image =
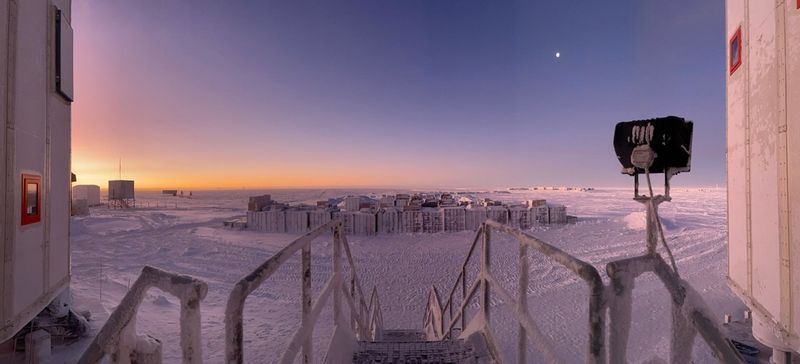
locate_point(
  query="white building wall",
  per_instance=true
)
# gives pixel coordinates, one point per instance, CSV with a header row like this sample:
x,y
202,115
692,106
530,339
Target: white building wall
x,y
763,132
37,134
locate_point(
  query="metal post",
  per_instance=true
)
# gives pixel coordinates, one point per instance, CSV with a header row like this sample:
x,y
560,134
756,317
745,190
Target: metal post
x,y
523,300
353,299
652,225
485,267
337,273
463,297
306,302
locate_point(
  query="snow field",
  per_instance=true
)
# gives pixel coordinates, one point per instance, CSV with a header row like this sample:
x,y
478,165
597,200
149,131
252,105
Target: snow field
x,y
111,246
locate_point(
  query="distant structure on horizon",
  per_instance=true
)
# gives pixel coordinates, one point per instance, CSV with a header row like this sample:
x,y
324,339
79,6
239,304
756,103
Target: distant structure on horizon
x,y
121,194
401,213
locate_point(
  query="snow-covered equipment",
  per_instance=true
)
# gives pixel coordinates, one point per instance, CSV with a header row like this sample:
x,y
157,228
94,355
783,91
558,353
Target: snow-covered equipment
x,y
661,145
36,83
763,166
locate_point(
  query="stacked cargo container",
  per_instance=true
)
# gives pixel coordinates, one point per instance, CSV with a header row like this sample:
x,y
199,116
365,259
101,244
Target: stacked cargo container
x,y
432,220
454,219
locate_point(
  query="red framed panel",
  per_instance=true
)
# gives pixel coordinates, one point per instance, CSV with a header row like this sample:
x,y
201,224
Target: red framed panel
x,y
735,50
31,199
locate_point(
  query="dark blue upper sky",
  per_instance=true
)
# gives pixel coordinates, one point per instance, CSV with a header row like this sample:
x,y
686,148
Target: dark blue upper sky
x,y
399,93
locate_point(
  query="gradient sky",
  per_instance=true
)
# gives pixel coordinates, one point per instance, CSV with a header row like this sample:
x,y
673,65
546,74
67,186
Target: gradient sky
x,y
194,94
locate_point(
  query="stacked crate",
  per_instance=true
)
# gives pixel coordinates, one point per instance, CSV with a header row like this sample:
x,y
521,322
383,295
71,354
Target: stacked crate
x,y
432,220
364,223
275,221
296,221
411,221
389,220
535,203
358,223
558,214
541,214
519,217
497,213
454,219
254,220
318,217
474,217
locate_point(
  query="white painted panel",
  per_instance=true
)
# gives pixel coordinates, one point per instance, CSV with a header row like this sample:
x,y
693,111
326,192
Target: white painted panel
x,y
792,42
763,156
30,116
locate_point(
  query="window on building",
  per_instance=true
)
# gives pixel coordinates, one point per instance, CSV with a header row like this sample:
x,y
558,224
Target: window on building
x,y
736,50
31,199
63,56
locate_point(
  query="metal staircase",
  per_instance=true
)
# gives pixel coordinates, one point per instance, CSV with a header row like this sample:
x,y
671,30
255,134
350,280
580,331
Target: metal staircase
x,y
449,334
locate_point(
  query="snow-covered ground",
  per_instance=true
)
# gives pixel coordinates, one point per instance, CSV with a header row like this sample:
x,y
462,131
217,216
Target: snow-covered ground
x,y
110,247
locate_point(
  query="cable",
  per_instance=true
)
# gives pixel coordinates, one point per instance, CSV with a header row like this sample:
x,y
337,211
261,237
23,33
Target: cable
x,y
660,228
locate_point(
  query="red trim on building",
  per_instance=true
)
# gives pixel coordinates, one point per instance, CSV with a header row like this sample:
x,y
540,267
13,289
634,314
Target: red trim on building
x,y
735,59
30,217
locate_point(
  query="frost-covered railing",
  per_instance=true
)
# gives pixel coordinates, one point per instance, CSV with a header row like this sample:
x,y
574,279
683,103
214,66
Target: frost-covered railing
x,y
690,315
118,336
366,321
689,312
528,331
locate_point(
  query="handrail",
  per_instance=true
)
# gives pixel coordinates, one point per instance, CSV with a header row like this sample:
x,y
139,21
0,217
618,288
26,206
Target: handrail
x,y
433,320
366,321
118,333
484,280
462,277
690,315
689,312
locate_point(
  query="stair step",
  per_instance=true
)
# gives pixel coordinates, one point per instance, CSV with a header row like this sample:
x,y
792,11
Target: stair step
x,y
409,346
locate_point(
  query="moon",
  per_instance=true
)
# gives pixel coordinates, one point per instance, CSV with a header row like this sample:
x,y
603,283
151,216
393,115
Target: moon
x,y
558,54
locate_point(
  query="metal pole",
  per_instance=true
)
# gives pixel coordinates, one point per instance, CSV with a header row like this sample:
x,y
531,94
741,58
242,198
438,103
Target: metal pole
x,y
463,297
652,225
306,302
337,273
485,267
523,300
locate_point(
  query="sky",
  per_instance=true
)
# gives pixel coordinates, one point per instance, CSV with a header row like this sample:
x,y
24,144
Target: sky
x,y
462,94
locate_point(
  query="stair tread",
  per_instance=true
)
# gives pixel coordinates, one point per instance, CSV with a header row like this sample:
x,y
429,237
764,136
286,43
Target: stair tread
x,y
417,351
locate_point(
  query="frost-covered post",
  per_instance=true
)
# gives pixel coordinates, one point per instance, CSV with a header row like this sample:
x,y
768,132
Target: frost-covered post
x,y
463,297
337,273
523,300
485,266
306,303
652,227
